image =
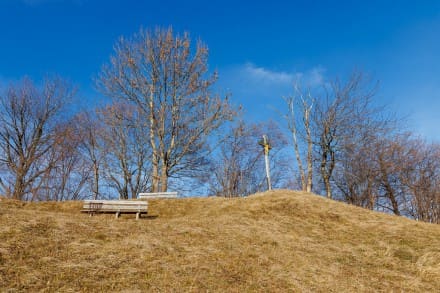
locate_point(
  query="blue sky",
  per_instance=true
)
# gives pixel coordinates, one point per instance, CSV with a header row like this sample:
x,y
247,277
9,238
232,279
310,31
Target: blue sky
x,y
258,47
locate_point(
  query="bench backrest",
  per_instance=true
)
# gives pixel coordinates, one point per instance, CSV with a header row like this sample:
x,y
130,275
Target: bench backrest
x,y
115,205
146,195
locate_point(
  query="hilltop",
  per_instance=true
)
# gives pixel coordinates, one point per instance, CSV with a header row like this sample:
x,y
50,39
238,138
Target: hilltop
x,y
274,241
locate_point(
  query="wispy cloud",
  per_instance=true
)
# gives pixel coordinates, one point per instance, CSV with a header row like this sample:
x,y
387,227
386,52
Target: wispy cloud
x,y
260,90
250,73
261,74
252,80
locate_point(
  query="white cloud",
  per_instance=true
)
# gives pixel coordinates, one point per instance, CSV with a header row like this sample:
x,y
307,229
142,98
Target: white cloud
x,y
251,78
249,73
261,74
260,90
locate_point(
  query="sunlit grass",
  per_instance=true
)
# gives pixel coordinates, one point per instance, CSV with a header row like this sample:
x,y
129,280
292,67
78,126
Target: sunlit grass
x,y
275,241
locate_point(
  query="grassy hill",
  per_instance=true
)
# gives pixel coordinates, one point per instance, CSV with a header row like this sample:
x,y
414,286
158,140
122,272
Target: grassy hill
x,y
274,241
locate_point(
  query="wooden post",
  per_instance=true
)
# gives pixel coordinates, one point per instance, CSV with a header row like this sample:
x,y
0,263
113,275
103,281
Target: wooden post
x,y
266,159
266,146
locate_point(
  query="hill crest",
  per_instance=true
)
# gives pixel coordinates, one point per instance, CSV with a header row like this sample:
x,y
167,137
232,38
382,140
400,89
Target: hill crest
x,y
278,240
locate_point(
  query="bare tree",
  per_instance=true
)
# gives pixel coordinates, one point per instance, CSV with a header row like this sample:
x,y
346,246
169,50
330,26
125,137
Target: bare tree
x,y
67,178
362,154
91,147
420,178
391,159
356,177
167,79
28,118
126,147
298,122
391,172
338,119
238,168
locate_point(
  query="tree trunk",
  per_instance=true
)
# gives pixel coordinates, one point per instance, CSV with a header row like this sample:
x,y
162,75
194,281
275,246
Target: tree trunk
x,y
371,199
266,162
328,187
155,174
293,129
96,181
18,187
306,115
391,196
309,161
155,159
164,178
326,175
298,158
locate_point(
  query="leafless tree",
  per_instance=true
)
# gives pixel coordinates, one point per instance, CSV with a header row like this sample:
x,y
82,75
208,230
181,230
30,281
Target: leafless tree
x,y
127,151
391,172
340,121
28,117
91,147
238,168
356,176
421,180
299,109
393,156
167,79
67,178
362,154
357,170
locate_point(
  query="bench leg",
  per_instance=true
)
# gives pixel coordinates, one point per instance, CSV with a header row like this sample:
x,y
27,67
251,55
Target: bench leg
x,y
138,215
117,215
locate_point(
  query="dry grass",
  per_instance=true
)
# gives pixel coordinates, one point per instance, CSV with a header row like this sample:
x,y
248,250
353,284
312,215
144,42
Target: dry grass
x,y
276,241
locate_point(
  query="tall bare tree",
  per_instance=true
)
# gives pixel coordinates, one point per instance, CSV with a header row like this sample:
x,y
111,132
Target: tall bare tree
x,y
166,77
28,116
338,119
299,109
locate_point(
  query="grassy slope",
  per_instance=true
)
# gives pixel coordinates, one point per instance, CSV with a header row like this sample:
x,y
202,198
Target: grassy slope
x,y
280,240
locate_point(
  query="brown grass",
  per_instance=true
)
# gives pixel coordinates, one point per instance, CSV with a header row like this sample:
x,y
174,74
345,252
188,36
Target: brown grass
x,y
276,241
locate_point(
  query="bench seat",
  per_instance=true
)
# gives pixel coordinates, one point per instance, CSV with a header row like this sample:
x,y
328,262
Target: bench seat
x,y
152,195
115,206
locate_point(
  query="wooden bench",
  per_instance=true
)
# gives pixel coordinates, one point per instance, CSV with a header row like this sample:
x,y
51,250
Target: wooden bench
x,y
147,195
115,206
